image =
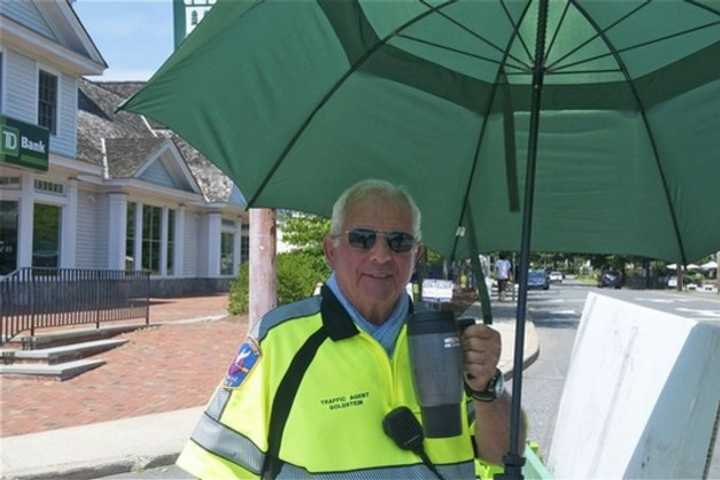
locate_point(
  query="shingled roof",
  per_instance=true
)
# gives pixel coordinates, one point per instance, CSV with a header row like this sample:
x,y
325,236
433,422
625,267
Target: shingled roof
x,y
129,141
125,156
215,185
97,120
126,90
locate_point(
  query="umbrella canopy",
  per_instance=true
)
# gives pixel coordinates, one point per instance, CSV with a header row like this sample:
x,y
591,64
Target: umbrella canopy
x,y
611,109
295,101
711,265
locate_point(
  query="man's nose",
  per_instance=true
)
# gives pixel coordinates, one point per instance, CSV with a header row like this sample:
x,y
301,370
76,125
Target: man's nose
x,y
380,251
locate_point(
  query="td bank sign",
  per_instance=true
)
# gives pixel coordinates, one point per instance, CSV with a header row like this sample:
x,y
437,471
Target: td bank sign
x,y
23,144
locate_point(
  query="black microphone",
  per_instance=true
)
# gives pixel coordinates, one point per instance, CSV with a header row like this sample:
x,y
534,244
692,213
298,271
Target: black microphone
x,y
407,433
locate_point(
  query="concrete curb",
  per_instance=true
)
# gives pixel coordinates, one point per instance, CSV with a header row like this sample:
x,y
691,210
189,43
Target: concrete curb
x,y
150,441
99,449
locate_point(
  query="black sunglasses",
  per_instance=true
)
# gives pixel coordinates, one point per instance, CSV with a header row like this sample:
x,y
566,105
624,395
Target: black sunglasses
x,y
398,242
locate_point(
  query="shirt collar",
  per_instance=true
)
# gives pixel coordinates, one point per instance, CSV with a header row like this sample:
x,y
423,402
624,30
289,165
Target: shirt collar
x,y
349,313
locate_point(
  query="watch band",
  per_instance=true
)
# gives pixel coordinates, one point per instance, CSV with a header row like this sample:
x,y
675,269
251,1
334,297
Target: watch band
x,y
492,390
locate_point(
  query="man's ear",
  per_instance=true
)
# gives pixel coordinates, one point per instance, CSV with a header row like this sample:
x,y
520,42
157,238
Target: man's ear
x,y
329,250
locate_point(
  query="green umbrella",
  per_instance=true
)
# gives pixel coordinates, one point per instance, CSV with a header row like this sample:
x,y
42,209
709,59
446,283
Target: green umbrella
x,y
619,102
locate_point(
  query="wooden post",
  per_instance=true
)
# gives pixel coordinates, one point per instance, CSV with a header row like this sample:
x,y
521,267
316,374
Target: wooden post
x,y
680,277
263,279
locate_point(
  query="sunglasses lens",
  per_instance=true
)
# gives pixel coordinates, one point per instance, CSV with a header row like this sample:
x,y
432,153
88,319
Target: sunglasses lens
x,y
400,242
362,238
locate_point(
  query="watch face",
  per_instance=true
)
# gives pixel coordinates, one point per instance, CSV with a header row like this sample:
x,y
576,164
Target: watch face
x,y
499,383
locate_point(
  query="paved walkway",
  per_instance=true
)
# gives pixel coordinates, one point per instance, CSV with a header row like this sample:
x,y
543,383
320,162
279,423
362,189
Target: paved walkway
x,y
180,364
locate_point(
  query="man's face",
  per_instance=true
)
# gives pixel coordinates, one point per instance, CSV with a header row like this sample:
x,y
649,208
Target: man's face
x,y
373,279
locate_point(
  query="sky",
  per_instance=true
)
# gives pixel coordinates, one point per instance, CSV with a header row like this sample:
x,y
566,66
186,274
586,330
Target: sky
x,y
134,36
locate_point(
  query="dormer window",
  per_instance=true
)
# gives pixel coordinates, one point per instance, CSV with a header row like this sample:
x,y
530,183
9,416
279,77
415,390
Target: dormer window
x,y
47,101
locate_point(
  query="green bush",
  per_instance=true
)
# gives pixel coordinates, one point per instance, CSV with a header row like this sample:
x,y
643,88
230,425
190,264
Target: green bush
x,y
239,288
298,273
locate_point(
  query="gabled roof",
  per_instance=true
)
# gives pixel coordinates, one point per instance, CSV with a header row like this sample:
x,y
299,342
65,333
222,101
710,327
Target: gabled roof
x,y
51,30
97,120
125,156
127,142
215,185
126,89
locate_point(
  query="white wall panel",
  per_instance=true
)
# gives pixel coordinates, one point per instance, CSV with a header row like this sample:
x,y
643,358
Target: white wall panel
x,y
191,244
20,96
65,141
87,245
27,14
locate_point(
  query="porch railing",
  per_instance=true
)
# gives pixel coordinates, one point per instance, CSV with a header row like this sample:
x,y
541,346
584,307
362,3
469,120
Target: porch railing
x,y
33,298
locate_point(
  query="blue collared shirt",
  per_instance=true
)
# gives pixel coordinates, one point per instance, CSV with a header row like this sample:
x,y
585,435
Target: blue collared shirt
x,y
387,332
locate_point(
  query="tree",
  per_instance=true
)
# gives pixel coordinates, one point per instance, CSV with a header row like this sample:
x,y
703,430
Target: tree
x,y
304,231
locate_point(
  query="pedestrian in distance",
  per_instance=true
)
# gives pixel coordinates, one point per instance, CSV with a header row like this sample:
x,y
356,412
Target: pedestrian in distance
x,y
311,385
503,275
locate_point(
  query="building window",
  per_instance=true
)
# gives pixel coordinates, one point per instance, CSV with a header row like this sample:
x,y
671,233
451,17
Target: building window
x,y
130,237
46,236
10,183
245,243
8,236
152,218
170,242
44,186
227,256
47,101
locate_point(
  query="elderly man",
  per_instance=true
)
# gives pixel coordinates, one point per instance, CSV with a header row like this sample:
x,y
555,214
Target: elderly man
x,y
309,389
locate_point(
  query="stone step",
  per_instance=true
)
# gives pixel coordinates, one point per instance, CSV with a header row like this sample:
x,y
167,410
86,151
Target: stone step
x,y
77,335
59,371
66,353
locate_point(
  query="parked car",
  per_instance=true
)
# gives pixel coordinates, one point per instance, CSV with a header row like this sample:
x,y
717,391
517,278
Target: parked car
x,y
556,277
611,278
538,279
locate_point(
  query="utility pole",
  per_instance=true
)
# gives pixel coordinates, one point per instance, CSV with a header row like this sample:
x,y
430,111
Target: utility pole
x,y
263,278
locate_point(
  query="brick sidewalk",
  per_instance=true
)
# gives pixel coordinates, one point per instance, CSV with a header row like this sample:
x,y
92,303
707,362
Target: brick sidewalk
x,y
160,369
169,309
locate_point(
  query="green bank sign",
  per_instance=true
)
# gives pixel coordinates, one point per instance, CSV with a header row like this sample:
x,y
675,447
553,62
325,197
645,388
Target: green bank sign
x,y
23,144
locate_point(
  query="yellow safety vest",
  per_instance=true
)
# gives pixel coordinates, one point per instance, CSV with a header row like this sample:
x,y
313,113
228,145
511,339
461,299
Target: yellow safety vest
x,y
306,397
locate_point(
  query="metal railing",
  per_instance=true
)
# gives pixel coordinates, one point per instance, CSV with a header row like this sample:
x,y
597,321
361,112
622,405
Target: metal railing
x,y
35,297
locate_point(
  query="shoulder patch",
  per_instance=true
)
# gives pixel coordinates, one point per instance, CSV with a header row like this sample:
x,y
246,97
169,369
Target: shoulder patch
x,y
246,358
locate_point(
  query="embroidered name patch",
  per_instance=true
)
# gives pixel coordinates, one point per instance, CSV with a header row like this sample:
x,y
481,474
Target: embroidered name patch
x,y
246,358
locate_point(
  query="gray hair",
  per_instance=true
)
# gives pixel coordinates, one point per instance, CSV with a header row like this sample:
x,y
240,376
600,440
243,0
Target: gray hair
x,y
367,188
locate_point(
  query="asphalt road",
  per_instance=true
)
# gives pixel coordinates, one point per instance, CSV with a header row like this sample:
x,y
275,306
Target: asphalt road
x,y
556,313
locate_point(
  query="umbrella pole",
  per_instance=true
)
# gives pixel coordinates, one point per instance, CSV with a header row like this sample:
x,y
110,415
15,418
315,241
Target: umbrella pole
x,y
480,285
514,459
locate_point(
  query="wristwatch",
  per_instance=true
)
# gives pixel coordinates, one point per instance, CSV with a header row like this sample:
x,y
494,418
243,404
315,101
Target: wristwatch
x,y
493,390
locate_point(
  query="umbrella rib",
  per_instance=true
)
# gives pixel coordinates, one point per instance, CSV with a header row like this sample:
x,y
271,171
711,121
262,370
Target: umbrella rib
x,y
599,31
477,35
353,67
491,100
638,45
461,52
653,144
557,29
704,7
517,28
579,72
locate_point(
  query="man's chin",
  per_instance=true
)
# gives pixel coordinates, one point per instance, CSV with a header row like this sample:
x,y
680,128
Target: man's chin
x,y
381,293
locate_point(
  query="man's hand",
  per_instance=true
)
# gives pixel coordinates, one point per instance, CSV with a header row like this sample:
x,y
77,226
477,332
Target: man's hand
x,y
481,354
482,346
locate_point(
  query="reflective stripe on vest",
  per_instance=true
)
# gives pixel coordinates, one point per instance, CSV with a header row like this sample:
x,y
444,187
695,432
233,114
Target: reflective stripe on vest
x,y
418,471
228,444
